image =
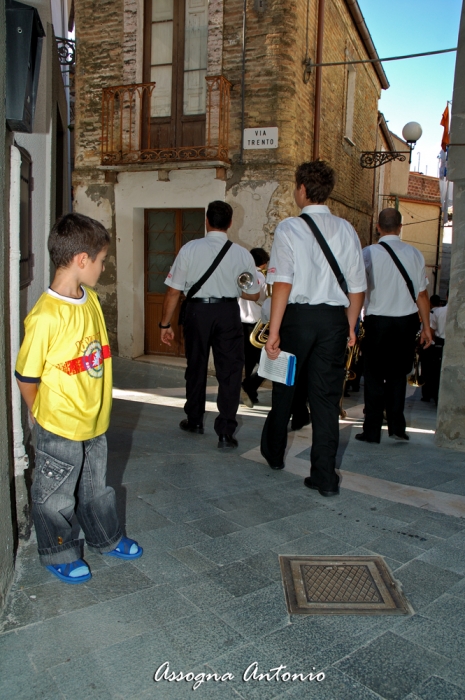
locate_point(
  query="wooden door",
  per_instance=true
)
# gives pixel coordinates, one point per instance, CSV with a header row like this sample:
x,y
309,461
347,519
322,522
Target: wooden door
x,y
166,231
175,58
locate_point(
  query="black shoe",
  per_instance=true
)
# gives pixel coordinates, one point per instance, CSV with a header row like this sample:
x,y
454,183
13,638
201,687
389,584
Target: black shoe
x,y
271,464
363,438
191,427
299,423
400,438
227,441
308,483
252,396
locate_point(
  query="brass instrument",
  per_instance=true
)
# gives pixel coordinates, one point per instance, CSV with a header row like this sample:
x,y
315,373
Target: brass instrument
x,y
259,335
414,379
245,281
353,354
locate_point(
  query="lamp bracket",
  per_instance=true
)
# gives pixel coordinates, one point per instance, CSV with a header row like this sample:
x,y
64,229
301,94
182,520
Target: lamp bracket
x,y
373,159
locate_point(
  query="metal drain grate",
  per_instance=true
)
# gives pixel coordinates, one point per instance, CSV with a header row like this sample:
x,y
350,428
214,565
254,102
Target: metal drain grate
x,y
341,585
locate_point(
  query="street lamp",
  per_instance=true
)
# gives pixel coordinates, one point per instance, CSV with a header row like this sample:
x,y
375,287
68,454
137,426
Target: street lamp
x,y
373,159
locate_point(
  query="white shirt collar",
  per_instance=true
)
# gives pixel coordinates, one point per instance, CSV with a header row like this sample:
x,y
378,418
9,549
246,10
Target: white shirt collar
x,y
70,300
389,237
218,234
316,209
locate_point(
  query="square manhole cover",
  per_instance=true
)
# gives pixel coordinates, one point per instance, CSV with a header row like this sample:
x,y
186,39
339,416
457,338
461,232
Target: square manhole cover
x,y
341,586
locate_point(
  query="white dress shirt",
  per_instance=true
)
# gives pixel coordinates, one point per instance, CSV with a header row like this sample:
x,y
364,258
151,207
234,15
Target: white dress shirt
x,y
438,320
251,310
194,259
296,258
387,293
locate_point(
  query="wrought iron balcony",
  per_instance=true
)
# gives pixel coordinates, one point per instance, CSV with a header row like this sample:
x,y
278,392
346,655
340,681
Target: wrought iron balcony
x,y
127,126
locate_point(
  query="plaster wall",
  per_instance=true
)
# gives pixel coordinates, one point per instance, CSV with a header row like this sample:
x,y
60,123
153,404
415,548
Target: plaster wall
x,y
420,229
399,170
251,206
135,192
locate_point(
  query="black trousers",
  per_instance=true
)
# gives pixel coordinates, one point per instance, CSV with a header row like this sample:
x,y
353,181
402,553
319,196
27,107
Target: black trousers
x,y
431,360
388,349
317,336
219,327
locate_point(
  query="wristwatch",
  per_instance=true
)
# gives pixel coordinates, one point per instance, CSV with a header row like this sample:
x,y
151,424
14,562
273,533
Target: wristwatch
x,y
167,326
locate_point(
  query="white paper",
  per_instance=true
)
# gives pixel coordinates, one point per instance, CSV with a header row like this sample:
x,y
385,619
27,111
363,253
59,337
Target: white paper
x,y
276,370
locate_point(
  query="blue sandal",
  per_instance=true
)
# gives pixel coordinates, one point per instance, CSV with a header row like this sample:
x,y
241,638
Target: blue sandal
x,y
76,572
126,549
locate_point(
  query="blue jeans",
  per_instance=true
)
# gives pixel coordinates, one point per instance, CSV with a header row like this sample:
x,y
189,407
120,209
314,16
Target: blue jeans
x,y
70,478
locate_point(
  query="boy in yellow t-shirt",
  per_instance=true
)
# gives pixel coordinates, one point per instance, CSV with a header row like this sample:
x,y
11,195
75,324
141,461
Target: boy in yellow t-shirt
x,y
64,375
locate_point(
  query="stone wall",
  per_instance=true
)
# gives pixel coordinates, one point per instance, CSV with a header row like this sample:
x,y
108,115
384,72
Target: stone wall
x,y
276,95
259,184
105,49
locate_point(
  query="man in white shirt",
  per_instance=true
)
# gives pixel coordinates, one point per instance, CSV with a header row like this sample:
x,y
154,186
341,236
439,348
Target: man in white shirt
x,y
250,314
391,326
311,317
212,321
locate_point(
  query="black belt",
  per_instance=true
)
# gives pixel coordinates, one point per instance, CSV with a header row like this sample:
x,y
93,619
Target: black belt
x,y
212,300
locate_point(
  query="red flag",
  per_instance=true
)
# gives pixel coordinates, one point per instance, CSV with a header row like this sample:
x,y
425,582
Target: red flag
x,y
445,123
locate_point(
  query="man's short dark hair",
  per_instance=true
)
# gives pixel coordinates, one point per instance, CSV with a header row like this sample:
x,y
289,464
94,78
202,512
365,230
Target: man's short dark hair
x,y
219,215
73,234
389,220
319,179
435,300
260,256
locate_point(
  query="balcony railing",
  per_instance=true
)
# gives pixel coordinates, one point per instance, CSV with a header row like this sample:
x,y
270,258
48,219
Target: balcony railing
x,y
126,126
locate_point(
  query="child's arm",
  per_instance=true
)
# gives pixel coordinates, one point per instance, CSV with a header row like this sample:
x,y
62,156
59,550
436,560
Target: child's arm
x,y
28,392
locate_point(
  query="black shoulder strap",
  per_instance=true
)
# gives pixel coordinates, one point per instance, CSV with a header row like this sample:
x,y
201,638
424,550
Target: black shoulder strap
x,y
401,269
327,252
195,287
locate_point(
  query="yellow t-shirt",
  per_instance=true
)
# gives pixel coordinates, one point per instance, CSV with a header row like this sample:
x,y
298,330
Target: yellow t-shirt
x,y
66,348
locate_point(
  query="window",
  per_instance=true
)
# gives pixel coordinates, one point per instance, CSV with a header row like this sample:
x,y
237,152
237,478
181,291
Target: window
x,y
176,60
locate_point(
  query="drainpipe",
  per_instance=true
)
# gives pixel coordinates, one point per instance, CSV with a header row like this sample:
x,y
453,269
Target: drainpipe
x,y
244,15
318,80
373,201
21,461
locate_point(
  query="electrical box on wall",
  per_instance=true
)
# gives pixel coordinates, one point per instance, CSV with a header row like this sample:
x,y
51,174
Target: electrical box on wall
x,y
24,36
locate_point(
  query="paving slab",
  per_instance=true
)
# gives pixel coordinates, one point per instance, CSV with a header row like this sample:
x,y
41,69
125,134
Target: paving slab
x,y
207,595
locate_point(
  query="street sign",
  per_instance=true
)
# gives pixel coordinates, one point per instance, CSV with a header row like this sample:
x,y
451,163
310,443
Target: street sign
x,y
261,137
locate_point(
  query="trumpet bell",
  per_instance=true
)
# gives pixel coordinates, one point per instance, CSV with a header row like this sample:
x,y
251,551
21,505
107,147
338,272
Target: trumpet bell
x,y
245,281
413,380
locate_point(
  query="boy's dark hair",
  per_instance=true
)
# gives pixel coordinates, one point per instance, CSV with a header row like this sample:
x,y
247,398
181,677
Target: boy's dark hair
x,y
319,179
389,220
260,256
435,300
219,215
73,234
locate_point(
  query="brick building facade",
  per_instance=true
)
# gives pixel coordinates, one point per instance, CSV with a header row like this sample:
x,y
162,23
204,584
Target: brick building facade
x,y
262,83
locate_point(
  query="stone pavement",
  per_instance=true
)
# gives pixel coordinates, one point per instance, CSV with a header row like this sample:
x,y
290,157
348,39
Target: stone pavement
x,y
207,595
